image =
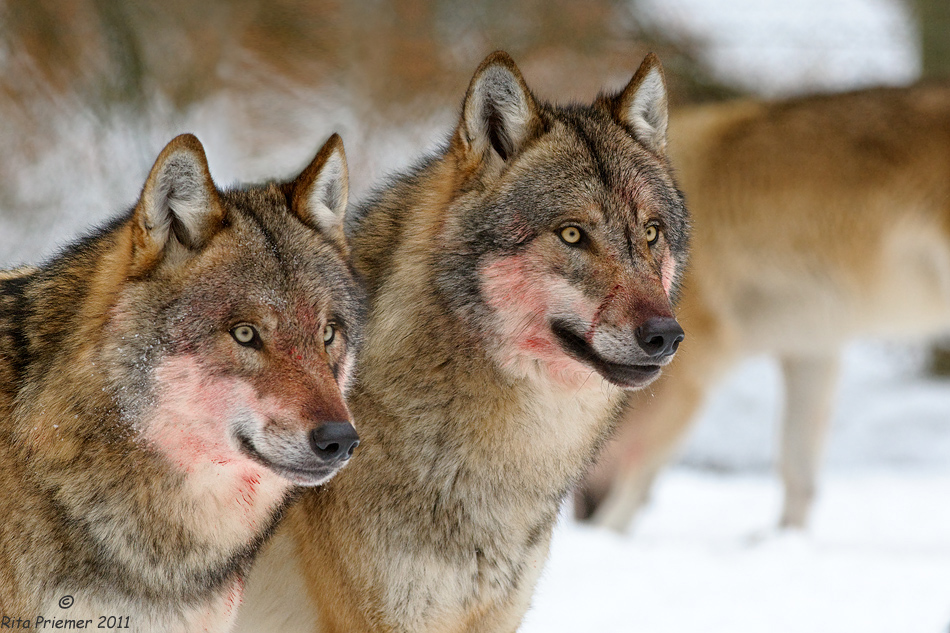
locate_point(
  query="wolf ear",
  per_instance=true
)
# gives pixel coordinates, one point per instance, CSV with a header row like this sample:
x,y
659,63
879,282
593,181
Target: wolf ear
x,y
499,113
319,194
642,106
179,200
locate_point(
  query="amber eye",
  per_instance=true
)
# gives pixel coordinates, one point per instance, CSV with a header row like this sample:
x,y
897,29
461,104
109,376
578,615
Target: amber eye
x,y
246,335
329,333
571,235
652,234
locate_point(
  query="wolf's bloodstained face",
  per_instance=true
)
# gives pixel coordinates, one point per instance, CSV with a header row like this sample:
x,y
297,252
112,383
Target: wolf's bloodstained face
x,y
588,284
570,260
259,354
251,335
256,378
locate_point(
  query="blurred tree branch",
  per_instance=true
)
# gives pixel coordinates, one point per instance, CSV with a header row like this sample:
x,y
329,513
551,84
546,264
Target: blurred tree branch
x,y
112,52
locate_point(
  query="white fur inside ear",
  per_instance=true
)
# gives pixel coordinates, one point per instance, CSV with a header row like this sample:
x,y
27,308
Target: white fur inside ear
x,y
647,112
498,113
327,197
179,199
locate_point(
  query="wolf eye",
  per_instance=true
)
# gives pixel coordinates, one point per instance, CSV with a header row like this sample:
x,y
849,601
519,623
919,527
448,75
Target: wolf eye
x,y
329,333
652,234
246,335
571,235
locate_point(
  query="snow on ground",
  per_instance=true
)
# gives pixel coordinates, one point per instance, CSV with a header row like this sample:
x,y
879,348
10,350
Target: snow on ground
x,y
704,555
702,558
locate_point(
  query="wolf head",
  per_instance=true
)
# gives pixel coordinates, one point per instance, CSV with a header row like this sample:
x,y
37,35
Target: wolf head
x,y
567,238
233,339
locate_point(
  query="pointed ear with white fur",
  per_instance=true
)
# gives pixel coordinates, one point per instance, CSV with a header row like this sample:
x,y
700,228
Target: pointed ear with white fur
x,y
179,202
319,194
499,113
642,106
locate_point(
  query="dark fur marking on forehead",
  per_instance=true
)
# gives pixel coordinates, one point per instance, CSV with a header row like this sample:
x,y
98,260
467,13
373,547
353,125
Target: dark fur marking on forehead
x,y
578,127
304,256
607,143
269,238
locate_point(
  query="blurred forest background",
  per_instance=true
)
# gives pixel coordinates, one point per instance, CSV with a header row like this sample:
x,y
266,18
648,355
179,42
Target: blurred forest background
x,y
91,90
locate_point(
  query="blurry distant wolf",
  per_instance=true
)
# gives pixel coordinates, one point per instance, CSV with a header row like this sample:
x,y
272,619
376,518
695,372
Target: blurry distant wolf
x,y
165,381
519,282
818,220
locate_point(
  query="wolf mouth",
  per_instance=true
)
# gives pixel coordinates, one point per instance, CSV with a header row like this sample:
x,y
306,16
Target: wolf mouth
x,y
627,376
299,476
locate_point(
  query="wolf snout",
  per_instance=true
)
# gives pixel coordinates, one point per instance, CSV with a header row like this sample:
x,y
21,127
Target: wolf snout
x,y
334,441
659,337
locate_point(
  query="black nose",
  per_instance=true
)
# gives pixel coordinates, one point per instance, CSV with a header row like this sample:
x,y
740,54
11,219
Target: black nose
x,y
334,441
660,336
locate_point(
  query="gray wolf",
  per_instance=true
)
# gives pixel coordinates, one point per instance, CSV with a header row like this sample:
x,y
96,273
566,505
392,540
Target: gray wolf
x,y
166,381
818,220
520,281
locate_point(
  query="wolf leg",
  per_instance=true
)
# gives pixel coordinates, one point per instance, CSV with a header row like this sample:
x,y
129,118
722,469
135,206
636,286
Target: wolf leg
x,y
809,390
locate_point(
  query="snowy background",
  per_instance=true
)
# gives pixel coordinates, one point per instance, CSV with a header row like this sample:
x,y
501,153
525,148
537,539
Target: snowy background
x,y
704,556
